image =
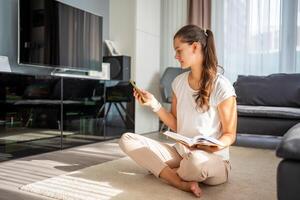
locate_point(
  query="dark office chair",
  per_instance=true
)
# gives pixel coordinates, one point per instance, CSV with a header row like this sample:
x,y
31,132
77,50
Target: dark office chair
x,y
166,85
115,96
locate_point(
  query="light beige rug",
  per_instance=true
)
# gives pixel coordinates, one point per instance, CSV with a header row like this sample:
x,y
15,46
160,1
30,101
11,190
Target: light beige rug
x,y
253,177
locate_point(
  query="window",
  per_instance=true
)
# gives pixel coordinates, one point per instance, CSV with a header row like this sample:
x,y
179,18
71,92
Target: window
x,y
257,37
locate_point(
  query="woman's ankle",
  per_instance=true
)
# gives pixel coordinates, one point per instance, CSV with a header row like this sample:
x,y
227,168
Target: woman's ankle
x,y
186,186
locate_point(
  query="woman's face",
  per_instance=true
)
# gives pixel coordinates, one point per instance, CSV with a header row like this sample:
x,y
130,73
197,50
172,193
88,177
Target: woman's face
x,y
187,54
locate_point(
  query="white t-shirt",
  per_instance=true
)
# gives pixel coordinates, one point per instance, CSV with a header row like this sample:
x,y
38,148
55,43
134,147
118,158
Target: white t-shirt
x,y
191,121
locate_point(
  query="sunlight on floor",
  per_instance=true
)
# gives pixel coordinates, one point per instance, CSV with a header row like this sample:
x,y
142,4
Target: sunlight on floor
x,y
69,187
22,172
127,173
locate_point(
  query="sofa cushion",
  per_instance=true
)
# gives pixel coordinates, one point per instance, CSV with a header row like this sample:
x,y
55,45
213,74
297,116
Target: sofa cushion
x,y
269,111
289,147
264,125
274,90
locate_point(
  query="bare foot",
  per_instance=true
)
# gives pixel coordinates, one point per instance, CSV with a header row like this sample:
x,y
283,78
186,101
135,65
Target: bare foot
x,y
170,176
191,186
195,189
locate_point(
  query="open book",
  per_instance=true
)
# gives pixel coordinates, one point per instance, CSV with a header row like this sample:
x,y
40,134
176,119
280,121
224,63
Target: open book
x,y
199,139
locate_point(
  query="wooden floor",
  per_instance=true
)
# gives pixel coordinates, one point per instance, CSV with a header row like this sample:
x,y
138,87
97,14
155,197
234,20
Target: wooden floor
x,y
16,173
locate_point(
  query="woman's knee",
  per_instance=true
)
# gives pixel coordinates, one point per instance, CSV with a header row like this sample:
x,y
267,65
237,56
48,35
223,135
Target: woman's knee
x,y
217,180
125,139
220,174
211,171
193,168
127,136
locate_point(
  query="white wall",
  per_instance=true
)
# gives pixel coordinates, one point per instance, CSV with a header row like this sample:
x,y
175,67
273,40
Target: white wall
x,y
135,27
122,25
173,17
147,59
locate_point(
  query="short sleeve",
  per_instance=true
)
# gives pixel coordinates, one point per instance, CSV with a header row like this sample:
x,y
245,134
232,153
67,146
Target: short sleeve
x,y
223,90
175,84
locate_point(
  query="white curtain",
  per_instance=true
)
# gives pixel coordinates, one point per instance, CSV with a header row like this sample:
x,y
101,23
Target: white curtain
x,y
257,37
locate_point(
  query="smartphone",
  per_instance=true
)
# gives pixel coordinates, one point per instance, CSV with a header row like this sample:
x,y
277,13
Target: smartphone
x,y
137,89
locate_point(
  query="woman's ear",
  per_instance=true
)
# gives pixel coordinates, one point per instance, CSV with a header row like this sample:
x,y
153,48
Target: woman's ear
x,y
196,47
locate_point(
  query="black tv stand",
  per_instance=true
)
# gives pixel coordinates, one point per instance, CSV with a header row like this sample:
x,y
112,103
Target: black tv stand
x,y
73,73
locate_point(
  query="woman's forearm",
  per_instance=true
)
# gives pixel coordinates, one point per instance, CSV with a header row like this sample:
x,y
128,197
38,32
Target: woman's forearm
x,y
227,139
167,118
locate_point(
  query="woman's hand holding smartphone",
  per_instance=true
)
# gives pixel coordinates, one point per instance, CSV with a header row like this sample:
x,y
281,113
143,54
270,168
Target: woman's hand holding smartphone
x,y
138,94
145,98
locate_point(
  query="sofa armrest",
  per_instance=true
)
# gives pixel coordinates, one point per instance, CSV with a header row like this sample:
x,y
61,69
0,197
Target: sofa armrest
x,y
289,147
288,182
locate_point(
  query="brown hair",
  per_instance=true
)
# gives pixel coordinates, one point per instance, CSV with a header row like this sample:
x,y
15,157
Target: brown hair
x,y
190,34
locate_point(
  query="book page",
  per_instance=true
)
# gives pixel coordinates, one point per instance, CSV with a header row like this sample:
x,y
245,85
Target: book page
x,y
200,139
207,140
179,137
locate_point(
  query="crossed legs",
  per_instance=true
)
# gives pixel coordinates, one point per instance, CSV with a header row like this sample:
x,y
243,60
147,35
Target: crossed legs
x,y
164,162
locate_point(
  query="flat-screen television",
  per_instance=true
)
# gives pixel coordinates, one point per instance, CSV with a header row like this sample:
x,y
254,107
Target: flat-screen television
x,y
54,34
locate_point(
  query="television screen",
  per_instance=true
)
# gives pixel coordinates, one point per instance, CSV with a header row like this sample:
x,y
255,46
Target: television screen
x,y
54,34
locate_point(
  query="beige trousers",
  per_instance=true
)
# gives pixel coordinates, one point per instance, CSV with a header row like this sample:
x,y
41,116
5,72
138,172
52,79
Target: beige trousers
x,y
196,165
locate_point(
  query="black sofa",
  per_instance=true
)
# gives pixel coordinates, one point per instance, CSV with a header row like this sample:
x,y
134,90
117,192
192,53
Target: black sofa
x,y
268,106
288,171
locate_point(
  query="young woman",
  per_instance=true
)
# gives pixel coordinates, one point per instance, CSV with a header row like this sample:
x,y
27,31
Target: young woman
x,y
203,102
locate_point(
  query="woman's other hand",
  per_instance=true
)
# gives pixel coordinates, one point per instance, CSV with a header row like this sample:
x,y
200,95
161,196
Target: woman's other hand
x,y
210,149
